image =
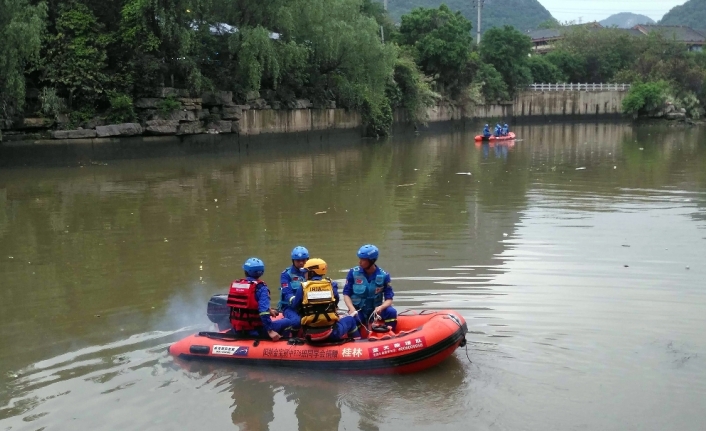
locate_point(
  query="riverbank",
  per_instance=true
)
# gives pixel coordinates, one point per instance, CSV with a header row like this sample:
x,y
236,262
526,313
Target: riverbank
x,y
216,113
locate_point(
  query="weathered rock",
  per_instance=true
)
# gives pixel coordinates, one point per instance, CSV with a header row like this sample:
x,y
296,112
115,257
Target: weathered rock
x,y
165,92
276,105
125,129
162,127
252,95
73,134
36,123
217,98
202,114
147,103
258,104
669,108
5,124
215,110
191,128
675,116
191,100
236,127
93,123
220,126
657,113
682,110
302,104
180,115
231,113
331,104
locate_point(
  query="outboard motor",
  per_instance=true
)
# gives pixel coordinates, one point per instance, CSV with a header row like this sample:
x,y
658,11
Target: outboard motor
x,y
218,311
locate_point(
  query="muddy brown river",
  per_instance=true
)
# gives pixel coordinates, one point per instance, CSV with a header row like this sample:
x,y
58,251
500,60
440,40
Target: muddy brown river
x,y
577,255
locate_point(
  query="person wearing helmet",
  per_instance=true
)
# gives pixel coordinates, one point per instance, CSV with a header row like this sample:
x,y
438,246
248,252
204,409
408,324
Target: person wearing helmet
x,y
498,130
291,281
317,301
249,299
506,130
368,291
486,131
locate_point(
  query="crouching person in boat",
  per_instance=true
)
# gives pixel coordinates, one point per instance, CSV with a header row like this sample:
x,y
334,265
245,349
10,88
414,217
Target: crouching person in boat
x,y
290,282
317,301
368,292
249,299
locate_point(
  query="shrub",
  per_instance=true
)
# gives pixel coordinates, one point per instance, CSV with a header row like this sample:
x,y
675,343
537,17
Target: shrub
x,y
377,116
644,97
170,104
52,105
121,108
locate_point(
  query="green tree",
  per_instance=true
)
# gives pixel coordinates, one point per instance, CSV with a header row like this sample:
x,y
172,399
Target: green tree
x,y
162,39
572,66
507,50
544,70
494,87
603,52
441,40
21,27
75,56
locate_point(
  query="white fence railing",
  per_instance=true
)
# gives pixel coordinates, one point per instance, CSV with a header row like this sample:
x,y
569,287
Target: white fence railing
x,y
578,87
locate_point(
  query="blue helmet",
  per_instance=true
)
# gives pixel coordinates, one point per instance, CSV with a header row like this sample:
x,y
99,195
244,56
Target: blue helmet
x,y
299,253
368,251
505,124
254,267
486,125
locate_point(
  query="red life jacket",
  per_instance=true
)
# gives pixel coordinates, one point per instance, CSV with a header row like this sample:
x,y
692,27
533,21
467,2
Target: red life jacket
x,y
244,313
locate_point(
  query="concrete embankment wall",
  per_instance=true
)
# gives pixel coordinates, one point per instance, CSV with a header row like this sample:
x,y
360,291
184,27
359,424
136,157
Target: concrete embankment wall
x,y
534,104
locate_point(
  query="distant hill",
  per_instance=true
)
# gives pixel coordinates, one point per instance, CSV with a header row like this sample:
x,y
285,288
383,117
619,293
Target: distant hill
x,y
626,20
691,13
522,14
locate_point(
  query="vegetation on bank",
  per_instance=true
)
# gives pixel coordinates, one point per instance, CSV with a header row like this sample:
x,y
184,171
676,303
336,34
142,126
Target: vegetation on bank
x,y
79,59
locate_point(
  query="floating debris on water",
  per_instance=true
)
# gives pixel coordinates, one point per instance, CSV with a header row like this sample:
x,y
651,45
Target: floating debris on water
x,y
215,200
642,149
463,173
626,245
320,212
406,185
581,168
504,234
615,167
625,266
166,240
687,267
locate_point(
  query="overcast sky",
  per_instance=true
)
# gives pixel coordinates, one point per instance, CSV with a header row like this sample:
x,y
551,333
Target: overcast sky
x,y
596,10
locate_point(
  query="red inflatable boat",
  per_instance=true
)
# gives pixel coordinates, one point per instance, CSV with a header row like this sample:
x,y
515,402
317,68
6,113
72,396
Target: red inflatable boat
x,y
422,340
509,137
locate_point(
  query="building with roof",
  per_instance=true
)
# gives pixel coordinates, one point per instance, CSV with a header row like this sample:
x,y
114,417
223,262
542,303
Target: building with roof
x,y
543,40
693,39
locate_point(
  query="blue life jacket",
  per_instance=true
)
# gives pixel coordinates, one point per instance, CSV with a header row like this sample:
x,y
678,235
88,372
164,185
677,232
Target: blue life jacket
x,y
506,130
486,132
296,283
367,295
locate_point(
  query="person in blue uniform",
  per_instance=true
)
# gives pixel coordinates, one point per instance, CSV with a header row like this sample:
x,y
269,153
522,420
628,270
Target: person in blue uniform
x,y
257,303
498,130
347,326
291,281
506,130
368,291
486,131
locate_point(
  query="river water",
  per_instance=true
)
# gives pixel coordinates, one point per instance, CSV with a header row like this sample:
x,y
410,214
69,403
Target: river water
x,y
576,254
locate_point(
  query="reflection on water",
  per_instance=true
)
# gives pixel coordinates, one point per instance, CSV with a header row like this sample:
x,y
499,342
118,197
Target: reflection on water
x,y
575,254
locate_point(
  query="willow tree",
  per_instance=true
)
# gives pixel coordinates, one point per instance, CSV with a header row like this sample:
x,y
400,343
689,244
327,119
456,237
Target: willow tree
x,y
347,59
21,27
